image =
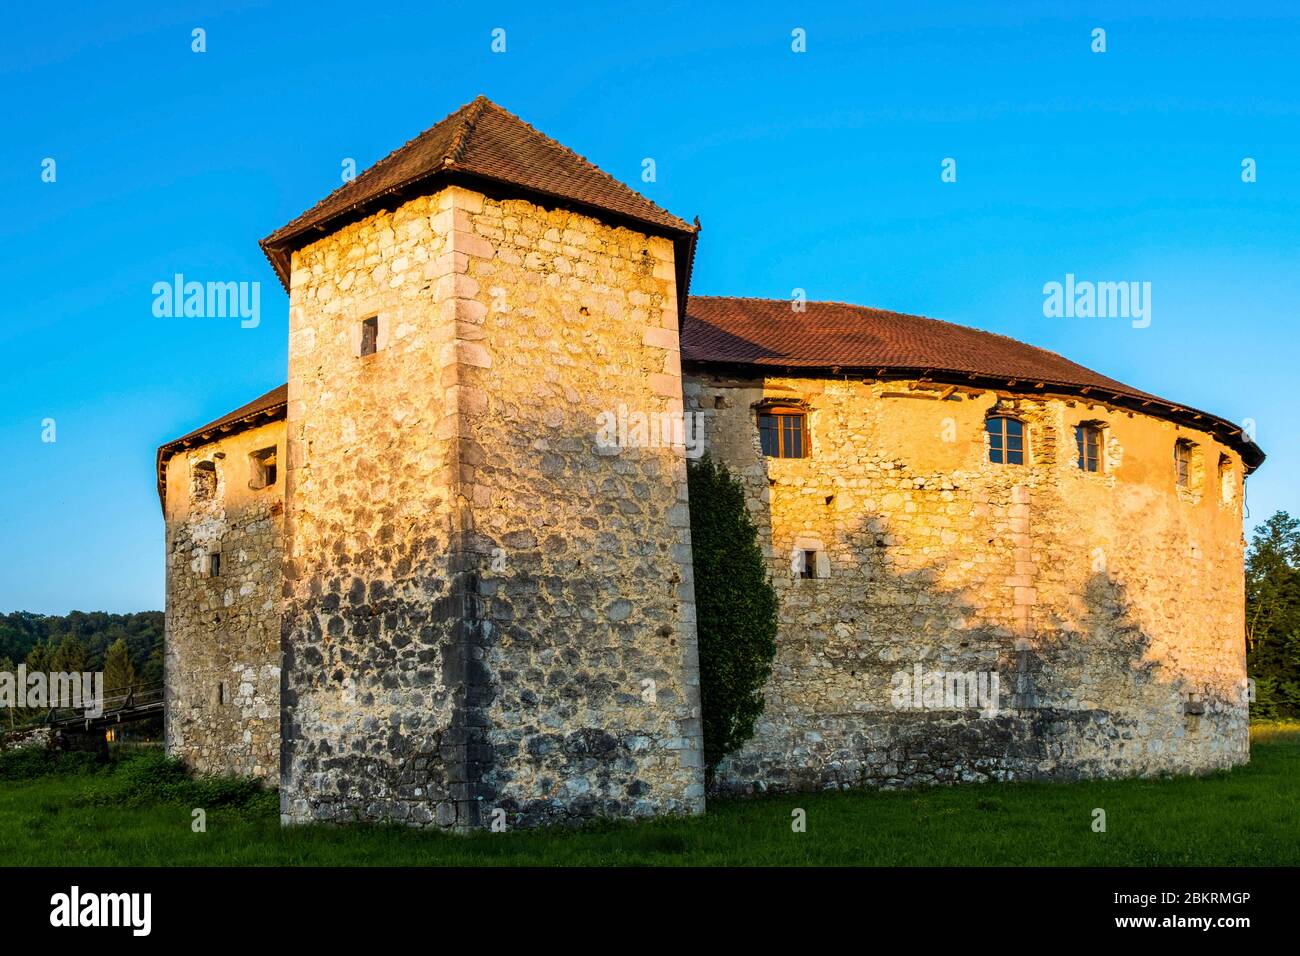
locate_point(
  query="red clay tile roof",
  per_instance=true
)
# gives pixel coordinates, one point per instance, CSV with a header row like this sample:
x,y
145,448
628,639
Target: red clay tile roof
x,y
768,333
259,411
832,334
480,141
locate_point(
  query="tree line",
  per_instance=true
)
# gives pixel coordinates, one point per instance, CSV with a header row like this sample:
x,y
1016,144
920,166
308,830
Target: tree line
x,y
128,648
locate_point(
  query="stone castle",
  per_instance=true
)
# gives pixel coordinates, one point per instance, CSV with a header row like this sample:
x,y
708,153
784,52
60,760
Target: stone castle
x,y
413,585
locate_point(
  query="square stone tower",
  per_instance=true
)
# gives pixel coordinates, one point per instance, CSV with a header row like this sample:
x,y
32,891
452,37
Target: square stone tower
x,y
487,616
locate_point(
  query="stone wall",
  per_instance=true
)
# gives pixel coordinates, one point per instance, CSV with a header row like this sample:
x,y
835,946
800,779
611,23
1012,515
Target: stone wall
x,y
373,716
46,738
473,596
222,655
588,597
1108,605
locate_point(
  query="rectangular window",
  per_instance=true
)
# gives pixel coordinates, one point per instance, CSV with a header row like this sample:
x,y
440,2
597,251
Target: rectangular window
x,y
1006,440
214,565
1227,480
1183,462
370,335
809,569
1087,439
203,481
262,463
783,433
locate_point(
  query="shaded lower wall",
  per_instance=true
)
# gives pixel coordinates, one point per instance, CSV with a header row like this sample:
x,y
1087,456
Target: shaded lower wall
x,y
374,719
1108,606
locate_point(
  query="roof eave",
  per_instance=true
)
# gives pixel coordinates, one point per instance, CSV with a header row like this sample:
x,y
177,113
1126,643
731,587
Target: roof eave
x,y
209,434
684,261
1252,456
279,246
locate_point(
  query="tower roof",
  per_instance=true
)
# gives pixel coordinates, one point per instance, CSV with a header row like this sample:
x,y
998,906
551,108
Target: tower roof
x,y
484,143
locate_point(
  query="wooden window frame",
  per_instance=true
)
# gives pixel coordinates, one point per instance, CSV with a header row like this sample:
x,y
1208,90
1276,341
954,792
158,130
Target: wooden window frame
x,y
1097,460
780,414
1000,447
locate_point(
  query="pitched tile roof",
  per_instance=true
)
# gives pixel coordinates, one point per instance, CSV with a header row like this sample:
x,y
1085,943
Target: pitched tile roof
x,y
768,333
479,141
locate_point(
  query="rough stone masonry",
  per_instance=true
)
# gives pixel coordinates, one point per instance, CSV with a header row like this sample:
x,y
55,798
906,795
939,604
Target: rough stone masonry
x,y
412,585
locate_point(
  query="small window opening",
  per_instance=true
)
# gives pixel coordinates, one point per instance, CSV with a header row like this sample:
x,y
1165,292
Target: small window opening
x,y
214,565
370,335
1088,441
221,693
1227,480
263,466
1006,440
809,569
1183,462
203,480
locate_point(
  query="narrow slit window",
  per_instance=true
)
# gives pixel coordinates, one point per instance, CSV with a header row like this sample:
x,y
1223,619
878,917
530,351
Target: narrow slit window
x,y
1227,480
370,335
1087,439
1006,440
214,565
1183,462
783,432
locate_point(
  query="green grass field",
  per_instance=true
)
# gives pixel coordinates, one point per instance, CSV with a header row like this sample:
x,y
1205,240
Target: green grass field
x,y
138,814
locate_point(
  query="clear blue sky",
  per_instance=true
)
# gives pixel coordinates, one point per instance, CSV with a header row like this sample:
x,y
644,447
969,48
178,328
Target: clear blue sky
x,y
818,170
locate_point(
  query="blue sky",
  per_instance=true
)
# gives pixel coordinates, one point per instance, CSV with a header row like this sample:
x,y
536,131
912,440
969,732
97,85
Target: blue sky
x,y
818,170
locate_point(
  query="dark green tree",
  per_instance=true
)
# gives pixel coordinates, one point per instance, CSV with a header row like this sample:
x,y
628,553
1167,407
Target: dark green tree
x,y
736,610
39,659
119,672
1273,617
7,666
71,656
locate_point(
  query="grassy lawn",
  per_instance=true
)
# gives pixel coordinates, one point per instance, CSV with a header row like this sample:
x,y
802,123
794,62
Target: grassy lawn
x,y
1248,816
